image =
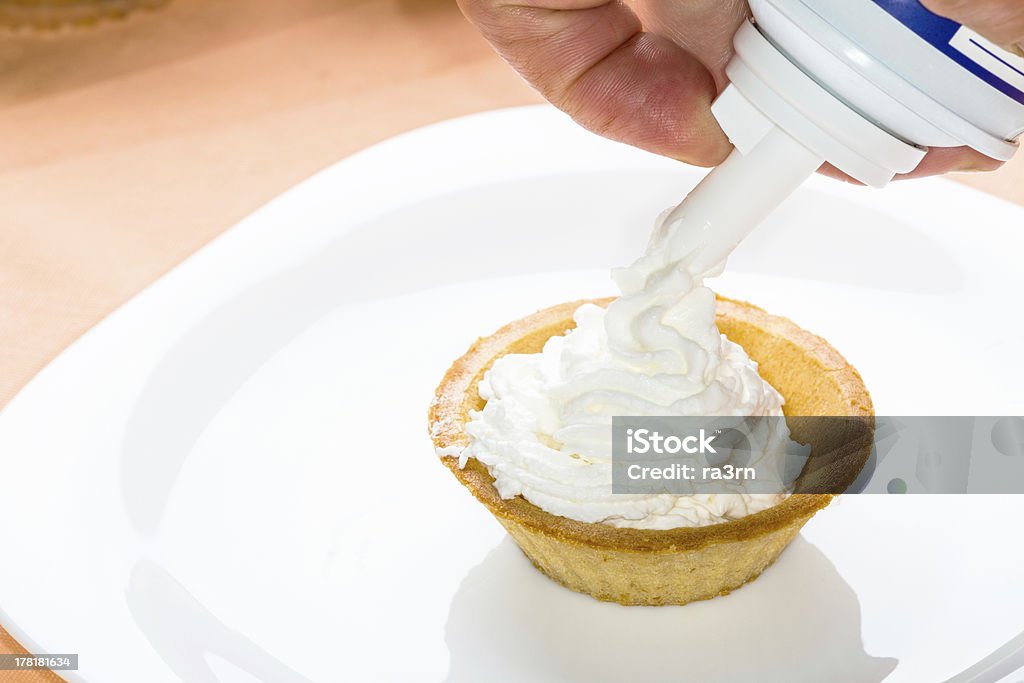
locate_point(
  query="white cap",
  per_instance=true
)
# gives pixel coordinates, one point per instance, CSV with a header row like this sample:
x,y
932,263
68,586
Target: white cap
x,y
768,91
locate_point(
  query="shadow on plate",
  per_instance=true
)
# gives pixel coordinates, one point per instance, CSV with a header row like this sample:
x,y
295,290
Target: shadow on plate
x,y
191,640
800,621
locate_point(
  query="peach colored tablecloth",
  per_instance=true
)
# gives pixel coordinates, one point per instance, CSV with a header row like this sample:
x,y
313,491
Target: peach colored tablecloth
x,y
126,147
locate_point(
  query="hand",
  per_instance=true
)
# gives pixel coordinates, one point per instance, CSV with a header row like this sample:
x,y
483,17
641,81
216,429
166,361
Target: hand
x,y
647,74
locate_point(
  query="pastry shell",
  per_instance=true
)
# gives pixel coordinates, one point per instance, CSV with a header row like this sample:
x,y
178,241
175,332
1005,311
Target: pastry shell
x,y
648,566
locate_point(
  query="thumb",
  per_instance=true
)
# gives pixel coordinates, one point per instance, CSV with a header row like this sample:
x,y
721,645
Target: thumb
x,y
592,59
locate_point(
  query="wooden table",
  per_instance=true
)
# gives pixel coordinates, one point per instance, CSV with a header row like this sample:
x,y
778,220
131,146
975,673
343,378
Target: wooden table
x,y
126,147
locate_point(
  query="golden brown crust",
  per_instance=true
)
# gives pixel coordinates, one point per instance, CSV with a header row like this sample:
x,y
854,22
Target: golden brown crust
x,y
813,377
658,578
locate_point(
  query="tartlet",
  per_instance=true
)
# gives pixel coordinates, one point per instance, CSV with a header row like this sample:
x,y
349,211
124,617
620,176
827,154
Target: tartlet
x,y
648,566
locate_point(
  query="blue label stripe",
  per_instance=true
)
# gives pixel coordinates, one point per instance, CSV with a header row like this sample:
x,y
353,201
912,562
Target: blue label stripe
x,y
939,31
995,56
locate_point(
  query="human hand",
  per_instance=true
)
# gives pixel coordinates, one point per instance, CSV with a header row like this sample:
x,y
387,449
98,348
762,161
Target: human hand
x,y
646,73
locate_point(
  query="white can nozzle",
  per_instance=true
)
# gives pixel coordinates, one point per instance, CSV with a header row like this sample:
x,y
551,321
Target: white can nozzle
x,y
741,191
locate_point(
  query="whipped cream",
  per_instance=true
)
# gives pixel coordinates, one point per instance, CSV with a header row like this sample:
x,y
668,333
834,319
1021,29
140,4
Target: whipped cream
x,y
545,431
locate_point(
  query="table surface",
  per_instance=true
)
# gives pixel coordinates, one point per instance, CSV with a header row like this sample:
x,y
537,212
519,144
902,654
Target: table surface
x,y
127,146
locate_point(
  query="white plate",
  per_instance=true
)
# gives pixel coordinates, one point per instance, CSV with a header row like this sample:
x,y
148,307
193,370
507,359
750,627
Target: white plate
x,y
229,479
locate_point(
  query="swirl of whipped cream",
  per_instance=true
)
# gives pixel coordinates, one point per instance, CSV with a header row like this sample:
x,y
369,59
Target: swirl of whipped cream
x,y
545,433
